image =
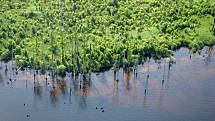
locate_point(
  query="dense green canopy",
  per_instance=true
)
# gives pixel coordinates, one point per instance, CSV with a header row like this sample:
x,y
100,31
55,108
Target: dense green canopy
x,y
83,35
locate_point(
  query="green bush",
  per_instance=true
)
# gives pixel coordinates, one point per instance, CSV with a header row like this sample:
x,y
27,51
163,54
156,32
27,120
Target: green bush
x,y
61,70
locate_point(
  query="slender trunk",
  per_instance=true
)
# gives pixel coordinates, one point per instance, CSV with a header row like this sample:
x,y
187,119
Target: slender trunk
x,y
12,55
45,67
6,69
168,74
90,63
148,69
12,62
73,61
52,58
116,60
34,67
164,71
76,66
62,24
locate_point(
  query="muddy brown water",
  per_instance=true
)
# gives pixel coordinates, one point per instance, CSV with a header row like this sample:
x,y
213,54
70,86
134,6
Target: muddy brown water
x,y
187,93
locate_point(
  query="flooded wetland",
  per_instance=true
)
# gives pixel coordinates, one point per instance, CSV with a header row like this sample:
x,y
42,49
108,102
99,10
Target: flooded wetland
x,y
154,91
107,60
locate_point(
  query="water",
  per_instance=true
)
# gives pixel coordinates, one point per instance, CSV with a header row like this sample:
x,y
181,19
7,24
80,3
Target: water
x,y
187,93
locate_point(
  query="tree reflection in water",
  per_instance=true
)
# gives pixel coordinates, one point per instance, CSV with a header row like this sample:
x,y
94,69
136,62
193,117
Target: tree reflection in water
x,y
161,95
38,90
1,65
1,79
84,92
63,85
115,97
121,88
127,77
58,89
54,94
83,102
208,54
75,88
145,101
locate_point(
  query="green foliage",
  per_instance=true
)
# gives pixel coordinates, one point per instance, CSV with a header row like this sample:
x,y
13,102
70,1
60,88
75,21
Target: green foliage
x,y
57,35
61,69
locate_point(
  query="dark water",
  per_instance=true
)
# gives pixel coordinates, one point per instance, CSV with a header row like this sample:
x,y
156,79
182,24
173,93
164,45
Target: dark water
x,y
187,93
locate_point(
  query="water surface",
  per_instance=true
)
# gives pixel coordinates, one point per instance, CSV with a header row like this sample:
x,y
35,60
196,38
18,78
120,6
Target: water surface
x,y
186,94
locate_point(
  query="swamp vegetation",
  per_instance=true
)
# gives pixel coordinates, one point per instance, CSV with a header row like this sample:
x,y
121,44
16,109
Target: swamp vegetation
x,y
83,36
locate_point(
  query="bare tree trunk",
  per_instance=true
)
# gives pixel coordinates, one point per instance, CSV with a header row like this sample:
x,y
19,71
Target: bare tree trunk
x,y
52,59
90,63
